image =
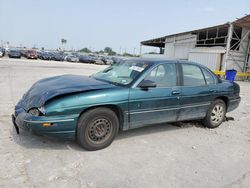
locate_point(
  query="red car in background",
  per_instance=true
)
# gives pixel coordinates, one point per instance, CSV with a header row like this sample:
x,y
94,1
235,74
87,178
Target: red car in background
x,y
31,54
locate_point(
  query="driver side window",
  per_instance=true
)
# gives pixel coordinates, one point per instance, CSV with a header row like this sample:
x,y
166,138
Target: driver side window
x,y
163,75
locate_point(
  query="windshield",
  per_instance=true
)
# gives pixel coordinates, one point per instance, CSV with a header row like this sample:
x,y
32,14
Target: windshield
x,y
14,51
122,73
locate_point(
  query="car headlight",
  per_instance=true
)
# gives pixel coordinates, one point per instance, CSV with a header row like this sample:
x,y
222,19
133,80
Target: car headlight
x,y
37,111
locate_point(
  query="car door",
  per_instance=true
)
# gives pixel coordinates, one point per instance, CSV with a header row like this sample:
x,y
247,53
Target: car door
x,y
197,92
159,104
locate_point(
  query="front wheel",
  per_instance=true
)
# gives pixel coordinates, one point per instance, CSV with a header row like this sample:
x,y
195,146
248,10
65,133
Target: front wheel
x,y
216,114
97,128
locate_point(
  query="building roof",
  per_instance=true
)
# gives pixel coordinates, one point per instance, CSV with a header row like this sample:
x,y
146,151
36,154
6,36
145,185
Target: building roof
x,y
160,42
243,22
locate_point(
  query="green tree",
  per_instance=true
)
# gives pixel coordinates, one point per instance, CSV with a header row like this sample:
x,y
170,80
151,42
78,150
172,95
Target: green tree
x,y
109,51
128,54
85,50
99,52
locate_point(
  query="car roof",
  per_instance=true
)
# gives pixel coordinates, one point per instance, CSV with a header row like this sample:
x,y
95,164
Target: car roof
x,y
163,60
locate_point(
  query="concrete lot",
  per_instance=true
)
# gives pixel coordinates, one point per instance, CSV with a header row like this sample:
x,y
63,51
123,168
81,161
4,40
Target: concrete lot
x,y
156,156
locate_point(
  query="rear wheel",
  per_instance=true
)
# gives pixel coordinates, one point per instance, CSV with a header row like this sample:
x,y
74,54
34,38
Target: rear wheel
x,y
97,128
216,114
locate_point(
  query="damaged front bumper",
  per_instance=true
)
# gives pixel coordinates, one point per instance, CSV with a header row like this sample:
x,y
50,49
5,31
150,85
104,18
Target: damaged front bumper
x,y
55,126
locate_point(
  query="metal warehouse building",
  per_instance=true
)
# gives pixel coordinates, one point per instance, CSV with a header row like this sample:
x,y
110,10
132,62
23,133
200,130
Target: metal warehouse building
x,y
219,47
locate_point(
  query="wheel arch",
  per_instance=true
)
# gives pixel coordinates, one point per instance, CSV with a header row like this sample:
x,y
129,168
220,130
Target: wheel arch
x,y
116,109
224,99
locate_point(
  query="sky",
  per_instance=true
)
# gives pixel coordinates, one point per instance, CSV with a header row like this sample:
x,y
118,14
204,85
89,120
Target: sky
x,y
95,24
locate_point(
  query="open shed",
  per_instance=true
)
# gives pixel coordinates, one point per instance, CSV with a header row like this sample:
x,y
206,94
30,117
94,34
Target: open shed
x,y
220,47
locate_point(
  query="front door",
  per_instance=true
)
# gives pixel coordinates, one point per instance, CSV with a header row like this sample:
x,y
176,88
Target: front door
x,y
155,105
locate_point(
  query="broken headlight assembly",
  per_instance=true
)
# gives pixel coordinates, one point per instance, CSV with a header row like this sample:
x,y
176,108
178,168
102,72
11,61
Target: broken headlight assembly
x,y
37,111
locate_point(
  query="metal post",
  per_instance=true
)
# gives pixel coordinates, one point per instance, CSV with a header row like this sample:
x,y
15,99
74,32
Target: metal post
x,y
248,52
229,37
140,49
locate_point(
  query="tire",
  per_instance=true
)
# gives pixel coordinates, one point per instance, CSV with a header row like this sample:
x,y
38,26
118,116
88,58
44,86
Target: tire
x,y
216,114
97,128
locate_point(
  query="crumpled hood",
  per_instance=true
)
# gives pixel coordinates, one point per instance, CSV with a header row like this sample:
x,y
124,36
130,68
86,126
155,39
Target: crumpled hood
x,y
48,88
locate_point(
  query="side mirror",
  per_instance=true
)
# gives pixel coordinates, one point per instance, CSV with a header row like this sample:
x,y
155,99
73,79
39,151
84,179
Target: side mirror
x,y
145,84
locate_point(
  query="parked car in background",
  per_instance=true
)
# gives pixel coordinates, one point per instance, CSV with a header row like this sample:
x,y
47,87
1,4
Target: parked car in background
x,y
75,54
104,59
126,95
117,59
109,60
100,60
14,53
57,56
23,52
53,54
2,51
31,54
45,55
72,58
86,59
39,54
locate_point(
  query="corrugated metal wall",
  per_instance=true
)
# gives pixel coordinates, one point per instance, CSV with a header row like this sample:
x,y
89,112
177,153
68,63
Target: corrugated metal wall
x,y
210,60
179,46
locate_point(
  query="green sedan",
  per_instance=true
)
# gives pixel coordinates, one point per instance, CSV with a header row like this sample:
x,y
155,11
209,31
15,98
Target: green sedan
x,y
126,95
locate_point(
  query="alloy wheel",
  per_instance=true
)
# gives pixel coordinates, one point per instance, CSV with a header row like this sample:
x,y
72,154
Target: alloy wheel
x,y
217,114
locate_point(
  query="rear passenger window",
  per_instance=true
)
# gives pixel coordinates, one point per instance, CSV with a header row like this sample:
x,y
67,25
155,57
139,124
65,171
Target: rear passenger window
x,y
192,75
208,76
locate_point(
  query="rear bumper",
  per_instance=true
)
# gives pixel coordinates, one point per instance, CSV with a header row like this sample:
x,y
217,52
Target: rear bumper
x,y
60,126
14,56
31,57
233,104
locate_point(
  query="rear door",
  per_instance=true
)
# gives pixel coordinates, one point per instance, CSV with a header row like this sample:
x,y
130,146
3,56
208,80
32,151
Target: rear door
x,y
159,104
197,92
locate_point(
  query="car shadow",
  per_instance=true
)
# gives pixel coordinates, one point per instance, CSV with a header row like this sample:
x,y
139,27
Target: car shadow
x,y
153,129
30,140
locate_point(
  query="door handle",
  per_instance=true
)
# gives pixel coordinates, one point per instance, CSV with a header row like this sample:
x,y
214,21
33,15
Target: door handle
x,y
212,90
176,92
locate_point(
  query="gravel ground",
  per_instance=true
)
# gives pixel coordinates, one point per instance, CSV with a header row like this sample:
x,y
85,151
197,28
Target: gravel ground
x,y
166,155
